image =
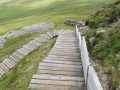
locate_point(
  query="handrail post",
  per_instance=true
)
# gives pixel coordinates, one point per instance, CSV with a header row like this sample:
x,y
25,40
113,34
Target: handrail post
x,y
77,31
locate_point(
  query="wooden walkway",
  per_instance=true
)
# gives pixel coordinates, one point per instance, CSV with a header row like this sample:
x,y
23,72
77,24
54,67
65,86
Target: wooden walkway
x,y
15,57
62,69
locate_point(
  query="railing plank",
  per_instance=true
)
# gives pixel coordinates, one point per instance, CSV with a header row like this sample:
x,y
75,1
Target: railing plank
x,y
91,79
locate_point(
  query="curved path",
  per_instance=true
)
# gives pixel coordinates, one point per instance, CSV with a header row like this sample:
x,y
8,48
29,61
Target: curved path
x,y
11,61
62,69
28,29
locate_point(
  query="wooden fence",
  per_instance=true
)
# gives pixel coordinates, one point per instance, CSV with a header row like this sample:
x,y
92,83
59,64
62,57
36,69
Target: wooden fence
x,y
91,79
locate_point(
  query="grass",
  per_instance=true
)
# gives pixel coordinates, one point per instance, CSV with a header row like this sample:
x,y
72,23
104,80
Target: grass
x,y
12,44
105,17
106,50
16,14
18,78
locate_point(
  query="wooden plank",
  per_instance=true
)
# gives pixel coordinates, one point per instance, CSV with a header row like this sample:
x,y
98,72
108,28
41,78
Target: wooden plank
x,y
59,68
65,54
51,34
7,68
53,72
29,47
18,56
45,36
23,51
41,39
64,59
36,43
13,58
53,82
58,51
62,62
7,64
65,50
60,65
3,67
54,87
2,71
94,79
57,77
10,62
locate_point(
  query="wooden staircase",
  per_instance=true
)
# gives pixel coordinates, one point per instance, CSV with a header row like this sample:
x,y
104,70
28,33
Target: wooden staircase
x,y
62,69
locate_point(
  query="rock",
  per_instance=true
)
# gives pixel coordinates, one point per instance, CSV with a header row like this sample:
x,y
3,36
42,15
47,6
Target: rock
x,y
74,22
99,32
92,40
84,30
28,29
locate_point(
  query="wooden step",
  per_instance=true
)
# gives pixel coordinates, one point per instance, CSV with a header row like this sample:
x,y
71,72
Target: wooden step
x,y
51,34
2,71
53,82
59,65
8,63
29,47
4,67
45,36
54,87
62,62
57,77
35,43
64,54
64,59
60,68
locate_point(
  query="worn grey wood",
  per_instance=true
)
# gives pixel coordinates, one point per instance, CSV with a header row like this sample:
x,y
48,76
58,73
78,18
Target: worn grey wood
x,y
41,39
64,59
57,77
45,36
51,34
35,43
59,65
7,68
67,73
63,65
60,68
54,87
2,71
29,47
62,62
20,53
53,82
10,62
3,67
7,64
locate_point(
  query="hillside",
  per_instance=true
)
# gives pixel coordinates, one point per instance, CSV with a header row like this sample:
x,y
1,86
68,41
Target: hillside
x,y
104,45
16,14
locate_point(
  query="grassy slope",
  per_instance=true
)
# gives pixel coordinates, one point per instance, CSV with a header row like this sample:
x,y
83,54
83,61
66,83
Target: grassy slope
x,y
16,14
18,78
107,50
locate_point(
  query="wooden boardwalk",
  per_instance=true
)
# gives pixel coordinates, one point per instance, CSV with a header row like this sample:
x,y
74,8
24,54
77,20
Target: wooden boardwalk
x,y
62,69
15,57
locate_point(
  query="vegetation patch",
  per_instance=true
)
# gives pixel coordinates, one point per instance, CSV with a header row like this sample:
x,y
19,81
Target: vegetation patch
x,y
106,16
19,77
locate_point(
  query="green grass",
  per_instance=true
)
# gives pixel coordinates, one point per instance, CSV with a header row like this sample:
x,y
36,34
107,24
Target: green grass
x,y
101,18
106,50
15,14
12,44
18,78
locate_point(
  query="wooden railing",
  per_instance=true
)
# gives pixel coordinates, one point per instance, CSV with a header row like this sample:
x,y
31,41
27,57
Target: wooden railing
x,y
91,79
